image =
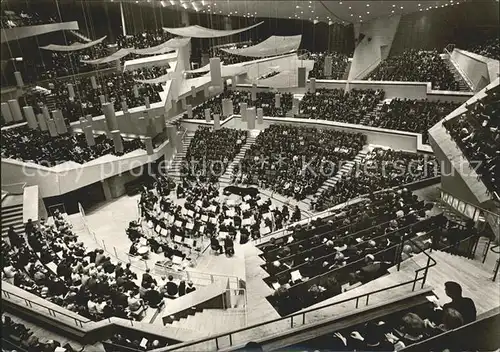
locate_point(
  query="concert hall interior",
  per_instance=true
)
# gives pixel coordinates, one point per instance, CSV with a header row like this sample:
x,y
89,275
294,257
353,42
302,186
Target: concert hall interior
x,y
250,175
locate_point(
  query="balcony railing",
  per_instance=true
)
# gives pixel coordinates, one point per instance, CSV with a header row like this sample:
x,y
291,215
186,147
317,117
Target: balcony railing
x,y
300,318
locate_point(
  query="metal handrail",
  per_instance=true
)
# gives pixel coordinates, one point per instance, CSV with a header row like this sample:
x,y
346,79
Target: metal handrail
x,y
473,252
332,210
307,220
430,263
52,312
292,316
497,265
190,274
425,269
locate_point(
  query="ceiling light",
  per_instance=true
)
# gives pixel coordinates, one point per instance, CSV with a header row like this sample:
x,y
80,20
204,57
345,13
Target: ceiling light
x,y
393,5
418,4
350,8
312,11
401,7
392,11
367,5
340,2
352,15
367,12
359,16
297,7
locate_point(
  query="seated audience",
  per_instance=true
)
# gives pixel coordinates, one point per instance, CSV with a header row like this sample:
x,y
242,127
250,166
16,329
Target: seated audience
x,y
412,115
19,334
339,65
338,105
417,66
265,100
137,343
211,152
355,246
85,282
115,86
489,48
381,169
25,144
295,161
477,133
10,19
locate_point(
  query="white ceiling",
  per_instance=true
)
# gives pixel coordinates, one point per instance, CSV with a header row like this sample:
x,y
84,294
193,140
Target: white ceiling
x,y
348,11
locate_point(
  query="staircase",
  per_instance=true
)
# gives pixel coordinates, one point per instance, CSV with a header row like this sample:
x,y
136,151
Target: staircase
x,y
463,86
225,179
12,215
174,169
346,169
472,275
374,114
80,36
213,321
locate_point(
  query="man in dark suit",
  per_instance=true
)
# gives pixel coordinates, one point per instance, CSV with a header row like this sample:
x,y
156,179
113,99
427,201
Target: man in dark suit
x,y
14,239
153,297
147,279
171,287
463,305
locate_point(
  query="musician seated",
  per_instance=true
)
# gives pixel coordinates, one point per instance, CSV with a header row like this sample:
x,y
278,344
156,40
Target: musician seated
x,y
177,252
215,245
133,248
229,246
167,250
154,244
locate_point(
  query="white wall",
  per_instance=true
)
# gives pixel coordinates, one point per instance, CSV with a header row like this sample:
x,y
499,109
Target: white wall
x,y
57,181
478,70
398,140
368,54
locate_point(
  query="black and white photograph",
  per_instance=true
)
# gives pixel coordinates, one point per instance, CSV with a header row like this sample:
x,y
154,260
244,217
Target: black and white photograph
x,y
250,175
